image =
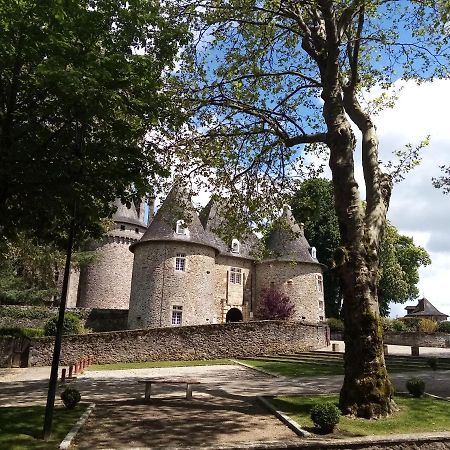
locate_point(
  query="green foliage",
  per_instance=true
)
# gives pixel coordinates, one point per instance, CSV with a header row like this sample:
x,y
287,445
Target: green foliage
x,y
396,325
82,84
335,324
400,259
325,416
21,332
71,325
416,387
444,327
70,397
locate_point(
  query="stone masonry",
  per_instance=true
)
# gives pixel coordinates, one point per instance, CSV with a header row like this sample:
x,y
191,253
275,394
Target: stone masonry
x,y
232,340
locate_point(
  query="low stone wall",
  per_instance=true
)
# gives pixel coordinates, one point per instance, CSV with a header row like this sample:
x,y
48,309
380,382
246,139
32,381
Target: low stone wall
x,y
412,339
230,340
37,316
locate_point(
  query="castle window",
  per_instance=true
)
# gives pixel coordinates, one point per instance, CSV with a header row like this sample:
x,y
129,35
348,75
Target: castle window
x,y
319,283
177,315
321,318
136,230
180,229
289,282
180,262
321,305
236,275
122,227
272,284
313,252
235,246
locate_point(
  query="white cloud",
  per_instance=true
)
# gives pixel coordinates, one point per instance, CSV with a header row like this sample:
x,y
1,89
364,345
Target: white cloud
x,y
417,208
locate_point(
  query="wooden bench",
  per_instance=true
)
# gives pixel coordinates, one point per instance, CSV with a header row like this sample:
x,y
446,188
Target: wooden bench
x,y
148,385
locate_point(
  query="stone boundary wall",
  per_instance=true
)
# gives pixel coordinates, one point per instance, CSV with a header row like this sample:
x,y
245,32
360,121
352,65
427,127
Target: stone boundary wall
x,y
230,340
37,316
413,339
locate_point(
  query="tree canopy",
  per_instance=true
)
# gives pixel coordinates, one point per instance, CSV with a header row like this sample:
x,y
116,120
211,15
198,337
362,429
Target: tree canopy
x,y
267,77
82,84
400,258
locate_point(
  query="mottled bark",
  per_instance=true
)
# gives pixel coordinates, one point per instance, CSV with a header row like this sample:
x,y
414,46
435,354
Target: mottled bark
x,y
367,391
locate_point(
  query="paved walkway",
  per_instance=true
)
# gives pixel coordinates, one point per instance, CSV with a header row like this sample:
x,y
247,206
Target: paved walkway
x,y
222,412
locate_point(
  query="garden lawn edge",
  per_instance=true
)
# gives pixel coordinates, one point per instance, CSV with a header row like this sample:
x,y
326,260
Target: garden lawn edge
x,y
67,441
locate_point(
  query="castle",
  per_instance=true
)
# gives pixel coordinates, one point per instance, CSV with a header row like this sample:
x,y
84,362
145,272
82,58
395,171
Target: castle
x,y
178,271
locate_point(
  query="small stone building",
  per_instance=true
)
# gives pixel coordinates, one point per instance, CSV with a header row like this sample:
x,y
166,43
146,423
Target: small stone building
x,y
424,310
184,274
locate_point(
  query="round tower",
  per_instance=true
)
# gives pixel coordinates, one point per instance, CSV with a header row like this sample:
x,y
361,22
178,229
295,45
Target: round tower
x,y
173,271
106,282
291,267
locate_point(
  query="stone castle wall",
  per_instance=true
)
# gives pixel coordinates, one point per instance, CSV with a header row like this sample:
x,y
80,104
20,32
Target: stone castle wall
x,y
298,281
232,295
157,287
106,282
231,340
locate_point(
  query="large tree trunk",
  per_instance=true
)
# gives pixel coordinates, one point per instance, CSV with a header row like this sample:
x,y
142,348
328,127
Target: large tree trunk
x,y
367,391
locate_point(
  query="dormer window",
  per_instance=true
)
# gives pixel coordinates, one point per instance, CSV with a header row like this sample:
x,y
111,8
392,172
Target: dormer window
x,y
235,246
180,229
313,252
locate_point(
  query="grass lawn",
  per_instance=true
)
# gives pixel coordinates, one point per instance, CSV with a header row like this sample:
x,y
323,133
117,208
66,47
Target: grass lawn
x,y
152,364
290,369
415,415
21,427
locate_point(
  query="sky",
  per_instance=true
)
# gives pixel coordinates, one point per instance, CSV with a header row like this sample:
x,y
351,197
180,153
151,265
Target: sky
x,y
418,209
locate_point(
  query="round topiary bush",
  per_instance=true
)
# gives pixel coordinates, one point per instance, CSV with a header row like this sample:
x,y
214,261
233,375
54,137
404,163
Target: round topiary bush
x,y
72,325
70,397
325,416
416,387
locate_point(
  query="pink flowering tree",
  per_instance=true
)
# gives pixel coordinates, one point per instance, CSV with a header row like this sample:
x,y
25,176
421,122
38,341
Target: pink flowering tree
x,y
274,305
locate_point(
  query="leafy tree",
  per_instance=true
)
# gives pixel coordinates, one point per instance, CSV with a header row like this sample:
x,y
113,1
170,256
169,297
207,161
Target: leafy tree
x,y
400,259
269,76
275,305
443,182
82,83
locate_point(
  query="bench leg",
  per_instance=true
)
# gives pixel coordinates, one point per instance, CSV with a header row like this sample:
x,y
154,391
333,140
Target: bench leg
x,y
148,390
188,391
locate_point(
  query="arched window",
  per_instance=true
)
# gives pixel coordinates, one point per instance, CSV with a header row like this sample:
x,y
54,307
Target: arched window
x,y
313,252
180,229
235,246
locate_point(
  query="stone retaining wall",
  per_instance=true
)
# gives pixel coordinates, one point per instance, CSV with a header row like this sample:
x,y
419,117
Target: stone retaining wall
x,y
413,339
231,340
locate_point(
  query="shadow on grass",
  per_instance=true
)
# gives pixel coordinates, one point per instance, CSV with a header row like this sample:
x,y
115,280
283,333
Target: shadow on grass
x,y
21,427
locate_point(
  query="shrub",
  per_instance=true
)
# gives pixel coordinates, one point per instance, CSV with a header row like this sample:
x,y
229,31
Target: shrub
x,y
433,362
275,305
444,327
72,325
399,326
70,397
416,387
21,332
427,326
335,324
325,416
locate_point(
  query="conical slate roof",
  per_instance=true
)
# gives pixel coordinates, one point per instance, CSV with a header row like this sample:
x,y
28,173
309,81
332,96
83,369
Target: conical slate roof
x,y
177,206
287,242
212,220
424,308
126,215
